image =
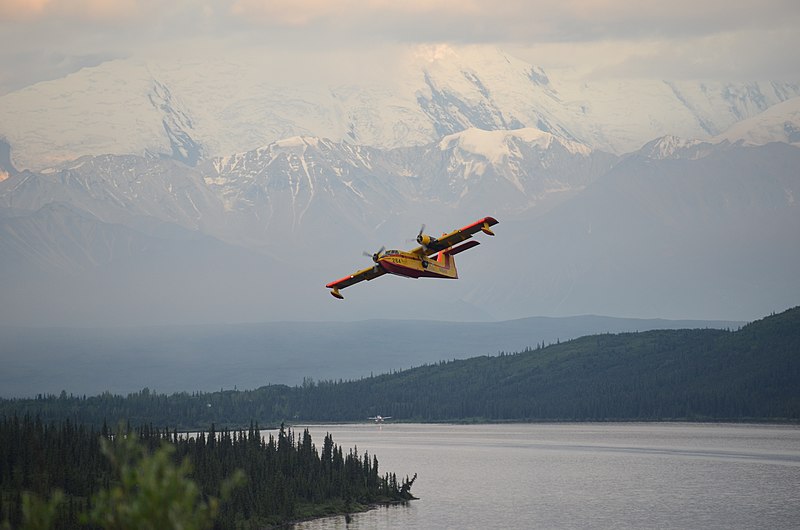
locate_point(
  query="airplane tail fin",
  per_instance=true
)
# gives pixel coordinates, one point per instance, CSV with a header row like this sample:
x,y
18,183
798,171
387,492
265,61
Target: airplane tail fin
x,y
445,257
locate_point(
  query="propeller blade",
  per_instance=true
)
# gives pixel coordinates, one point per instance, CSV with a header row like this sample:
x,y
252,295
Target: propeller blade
x,y
419,236
375,257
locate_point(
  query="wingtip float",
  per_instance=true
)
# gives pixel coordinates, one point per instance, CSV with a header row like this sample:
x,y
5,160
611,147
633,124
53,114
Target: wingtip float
x,y
433,258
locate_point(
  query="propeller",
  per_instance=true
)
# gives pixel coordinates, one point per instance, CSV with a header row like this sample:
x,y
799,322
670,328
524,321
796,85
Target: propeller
x,y
419,236
375,257
423,239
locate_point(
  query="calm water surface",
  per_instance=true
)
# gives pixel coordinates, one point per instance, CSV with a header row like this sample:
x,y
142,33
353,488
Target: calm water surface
x,y
590,475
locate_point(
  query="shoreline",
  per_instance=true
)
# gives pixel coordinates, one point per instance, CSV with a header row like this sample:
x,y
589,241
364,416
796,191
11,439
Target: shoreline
x,y
346,514
709,421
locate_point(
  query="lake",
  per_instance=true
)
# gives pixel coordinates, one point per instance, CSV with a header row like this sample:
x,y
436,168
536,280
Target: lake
x,y
580,475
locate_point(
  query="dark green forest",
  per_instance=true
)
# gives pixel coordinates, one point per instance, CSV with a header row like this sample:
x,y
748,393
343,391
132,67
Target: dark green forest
x,y
749,374
261,481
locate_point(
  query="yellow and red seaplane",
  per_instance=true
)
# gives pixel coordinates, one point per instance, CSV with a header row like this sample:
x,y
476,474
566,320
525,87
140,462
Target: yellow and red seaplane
x,y
433,258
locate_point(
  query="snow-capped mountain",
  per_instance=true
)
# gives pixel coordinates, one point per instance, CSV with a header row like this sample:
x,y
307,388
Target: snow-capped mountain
x,y
715,230
159,191
677,228
298,184
780,123
193,110
517,170
673,147
120,189
292,187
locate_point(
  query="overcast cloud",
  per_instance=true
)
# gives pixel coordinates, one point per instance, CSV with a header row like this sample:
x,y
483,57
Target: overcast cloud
x,y
745,39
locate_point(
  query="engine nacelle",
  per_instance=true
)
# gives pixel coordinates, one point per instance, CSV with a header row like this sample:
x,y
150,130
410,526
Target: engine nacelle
x,y
425,240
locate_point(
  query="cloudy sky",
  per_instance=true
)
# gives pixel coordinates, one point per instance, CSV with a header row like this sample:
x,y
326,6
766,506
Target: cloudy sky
x,y
675,39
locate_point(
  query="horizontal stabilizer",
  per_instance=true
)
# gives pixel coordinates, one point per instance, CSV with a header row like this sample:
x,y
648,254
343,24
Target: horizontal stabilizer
x,y
461,248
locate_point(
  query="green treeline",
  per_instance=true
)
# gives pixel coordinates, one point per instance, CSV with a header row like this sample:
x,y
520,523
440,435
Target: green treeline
x,y
702,374
284,477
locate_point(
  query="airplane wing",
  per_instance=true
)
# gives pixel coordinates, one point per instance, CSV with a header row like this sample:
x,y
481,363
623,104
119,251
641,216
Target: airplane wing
x,y
456,236
370,273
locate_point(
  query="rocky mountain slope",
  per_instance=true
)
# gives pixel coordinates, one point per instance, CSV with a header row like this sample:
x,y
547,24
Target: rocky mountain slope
x,y
680,228
221,206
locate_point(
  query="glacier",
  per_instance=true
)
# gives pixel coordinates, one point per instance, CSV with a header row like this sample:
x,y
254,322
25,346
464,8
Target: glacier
x,y
192,110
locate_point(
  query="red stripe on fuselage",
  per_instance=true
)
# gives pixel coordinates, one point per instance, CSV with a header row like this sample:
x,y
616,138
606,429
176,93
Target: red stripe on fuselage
x,y
410,272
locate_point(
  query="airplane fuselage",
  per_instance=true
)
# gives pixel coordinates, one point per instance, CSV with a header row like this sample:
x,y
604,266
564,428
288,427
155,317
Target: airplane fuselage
x,y
433,258
401,263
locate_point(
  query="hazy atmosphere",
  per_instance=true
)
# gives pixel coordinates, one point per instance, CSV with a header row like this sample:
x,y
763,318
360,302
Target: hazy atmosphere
x,y
220,162
48,39
542,259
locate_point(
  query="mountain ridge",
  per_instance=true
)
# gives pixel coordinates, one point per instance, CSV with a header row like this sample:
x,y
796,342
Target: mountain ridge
x,y
681,209
170,108
683,226
749,374
187,358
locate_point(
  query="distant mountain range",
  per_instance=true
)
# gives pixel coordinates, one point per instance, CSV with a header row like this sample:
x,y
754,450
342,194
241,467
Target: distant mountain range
x,y
193,110
207,358
677,229
214,209
747,374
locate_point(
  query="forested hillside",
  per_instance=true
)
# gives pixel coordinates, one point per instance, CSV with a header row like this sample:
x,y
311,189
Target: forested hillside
x,y
749,374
